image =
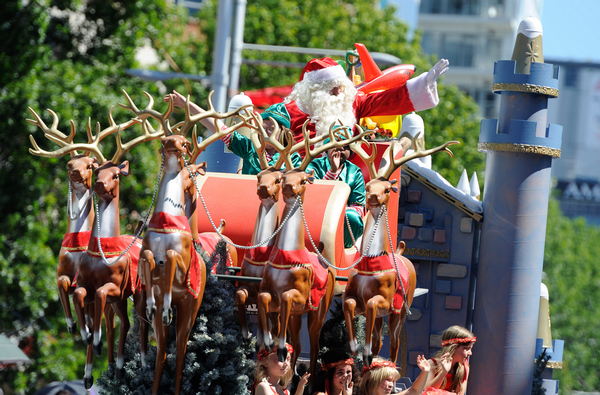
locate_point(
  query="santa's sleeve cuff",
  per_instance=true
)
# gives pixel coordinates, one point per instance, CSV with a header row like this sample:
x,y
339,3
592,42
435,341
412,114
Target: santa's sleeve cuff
x,y
421,95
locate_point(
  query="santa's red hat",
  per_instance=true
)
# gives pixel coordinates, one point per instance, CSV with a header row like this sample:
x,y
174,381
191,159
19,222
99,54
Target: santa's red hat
x,y
320,70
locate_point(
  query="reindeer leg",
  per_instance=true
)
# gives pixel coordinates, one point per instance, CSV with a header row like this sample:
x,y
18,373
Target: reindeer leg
x,y
240,301
173,260
349,307
274,319
64,283
78,303
108,289
377,338
396,321
263,334
184,324
121,310
295,327
287,300
146,266
161,332
374,304
109,322
88,378
139,300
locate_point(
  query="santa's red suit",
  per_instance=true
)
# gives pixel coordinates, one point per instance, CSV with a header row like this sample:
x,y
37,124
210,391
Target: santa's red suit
x,y
416,95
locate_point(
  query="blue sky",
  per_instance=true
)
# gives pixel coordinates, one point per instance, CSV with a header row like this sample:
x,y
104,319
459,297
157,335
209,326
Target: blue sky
x,y
571,30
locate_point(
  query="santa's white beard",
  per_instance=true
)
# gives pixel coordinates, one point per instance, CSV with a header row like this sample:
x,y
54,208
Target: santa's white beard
x,y
325,109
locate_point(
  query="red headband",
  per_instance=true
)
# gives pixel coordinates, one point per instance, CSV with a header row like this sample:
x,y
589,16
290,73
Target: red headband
x,y
459,340
379,364
263,353
327,366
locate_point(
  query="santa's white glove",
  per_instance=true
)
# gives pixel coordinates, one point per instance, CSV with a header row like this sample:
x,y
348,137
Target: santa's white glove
x,y
436,71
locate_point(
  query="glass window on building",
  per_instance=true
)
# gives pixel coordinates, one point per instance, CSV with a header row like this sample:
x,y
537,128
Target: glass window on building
x,y
453,7
458,49
571,74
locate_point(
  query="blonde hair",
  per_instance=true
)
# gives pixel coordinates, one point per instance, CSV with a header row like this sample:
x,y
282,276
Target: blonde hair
x,y
262,373
454,332
374,377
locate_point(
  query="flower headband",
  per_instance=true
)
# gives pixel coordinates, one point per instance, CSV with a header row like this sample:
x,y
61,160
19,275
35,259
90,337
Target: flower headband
x,y
327,366
459,340
379,364
264,354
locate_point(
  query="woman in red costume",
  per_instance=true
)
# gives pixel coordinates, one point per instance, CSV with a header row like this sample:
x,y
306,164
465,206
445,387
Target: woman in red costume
x,y
273,376
450,367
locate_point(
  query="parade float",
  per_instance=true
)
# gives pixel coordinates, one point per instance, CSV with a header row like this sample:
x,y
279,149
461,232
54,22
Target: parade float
x,y
431,254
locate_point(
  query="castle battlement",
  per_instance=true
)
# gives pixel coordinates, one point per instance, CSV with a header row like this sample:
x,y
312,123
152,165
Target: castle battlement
x,y
542,79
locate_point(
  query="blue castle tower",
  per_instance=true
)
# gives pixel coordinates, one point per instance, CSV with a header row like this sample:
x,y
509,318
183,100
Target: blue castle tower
x,y
520,147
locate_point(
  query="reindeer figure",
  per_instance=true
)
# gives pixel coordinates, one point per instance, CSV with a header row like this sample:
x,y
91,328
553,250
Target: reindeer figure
x,y
172,271
79,207
294,280
73,252
373,288
267,219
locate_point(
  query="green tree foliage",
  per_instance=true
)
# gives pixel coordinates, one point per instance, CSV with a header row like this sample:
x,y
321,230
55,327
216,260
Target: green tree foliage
x,y
70,57
572,276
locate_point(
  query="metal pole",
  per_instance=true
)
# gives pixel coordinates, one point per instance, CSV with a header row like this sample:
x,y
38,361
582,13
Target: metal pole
x,y
220,67
236,49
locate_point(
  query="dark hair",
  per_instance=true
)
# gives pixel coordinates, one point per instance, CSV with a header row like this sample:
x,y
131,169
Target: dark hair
x,y
323,376
64,392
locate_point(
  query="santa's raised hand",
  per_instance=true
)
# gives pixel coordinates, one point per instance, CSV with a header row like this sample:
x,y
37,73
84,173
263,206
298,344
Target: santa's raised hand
x,y
436,71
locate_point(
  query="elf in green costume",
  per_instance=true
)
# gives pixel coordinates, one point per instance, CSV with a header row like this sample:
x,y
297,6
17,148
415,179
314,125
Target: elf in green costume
x,y
240,144
336,166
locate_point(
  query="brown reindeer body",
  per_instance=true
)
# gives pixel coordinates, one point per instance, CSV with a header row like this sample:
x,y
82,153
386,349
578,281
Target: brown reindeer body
x,y
100,284
286,289
74,258
255,260
168,259
374,289
383,284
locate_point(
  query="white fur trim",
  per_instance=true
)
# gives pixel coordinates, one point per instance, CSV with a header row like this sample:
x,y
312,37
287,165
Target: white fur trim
x,y
422,96
326,74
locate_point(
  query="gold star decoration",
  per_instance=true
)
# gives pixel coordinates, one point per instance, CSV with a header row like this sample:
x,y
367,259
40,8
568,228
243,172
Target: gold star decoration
x,y
532,54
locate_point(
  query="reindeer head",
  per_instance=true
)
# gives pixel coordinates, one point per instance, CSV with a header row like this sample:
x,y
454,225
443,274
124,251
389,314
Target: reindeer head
x,y
189,188
107,179
81,169
269,183
175,147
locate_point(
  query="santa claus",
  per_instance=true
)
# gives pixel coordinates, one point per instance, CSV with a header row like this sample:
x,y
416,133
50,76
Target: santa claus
x,y
325,95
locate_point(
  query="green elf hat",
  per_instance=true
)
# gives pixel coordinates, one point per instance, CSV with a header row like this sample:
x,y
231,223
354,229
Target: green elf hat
x,y
279,113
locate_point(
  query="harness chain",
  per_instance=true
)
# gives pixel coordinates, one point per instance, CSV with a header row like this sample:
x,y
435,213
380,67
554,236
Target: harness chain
x,y
387,224
193,177
322,257
137,235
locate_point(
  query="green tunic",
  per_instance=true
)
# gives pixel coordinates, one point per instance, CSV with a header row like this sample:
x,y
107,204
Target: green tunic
x,y
351,175
243,147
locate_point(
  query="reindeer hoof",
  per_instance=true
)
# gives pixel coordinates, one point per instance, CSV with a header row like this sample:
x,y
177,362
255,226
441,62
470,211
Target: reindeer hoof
x,y
88,382
120,373
72,328
368,359
167,316
282,354
150,313
87,339
97,349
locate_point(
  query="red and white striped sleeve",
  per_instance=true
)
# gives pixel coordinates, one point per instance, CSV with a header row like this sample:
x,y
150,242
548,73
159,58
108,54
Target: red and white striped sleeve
x,y
331,175
358,208
226,139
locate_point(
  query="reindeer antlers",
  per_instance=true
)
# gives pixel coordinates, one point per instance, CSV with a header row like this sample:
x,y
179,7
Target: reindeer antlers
x,y
66,142
418,153
368,159
333,142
